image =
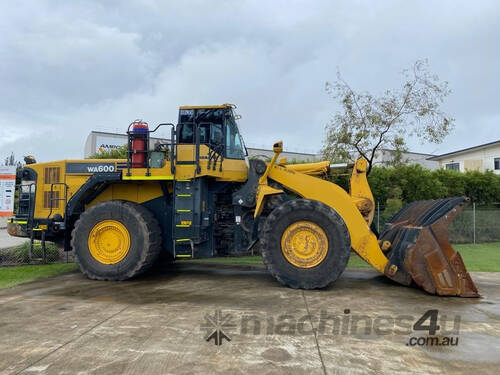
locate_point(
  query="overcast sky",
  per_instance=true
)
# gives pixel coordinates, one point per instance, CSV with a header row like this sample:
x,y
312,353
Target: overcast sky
x,y
69,67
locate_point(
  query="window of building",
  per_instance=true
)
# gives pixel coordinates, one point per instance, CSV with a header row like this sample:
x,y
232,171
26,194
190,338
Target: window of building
x,y
497,163
453,166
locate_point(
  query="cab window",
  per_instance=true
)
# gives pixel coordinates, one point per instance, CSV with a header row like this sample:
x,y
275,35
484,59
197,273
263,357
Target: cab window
x,y
234,146
186,134
216,135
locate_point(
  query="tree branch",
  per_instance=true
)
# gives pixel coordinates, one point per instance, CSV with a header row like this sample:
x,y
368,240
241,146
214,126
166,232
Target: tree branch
x,y
353,94
380,138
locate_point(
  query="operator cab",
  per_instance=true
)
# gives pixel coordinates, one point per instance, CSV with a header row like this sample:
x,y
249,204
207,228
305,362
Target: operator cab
x,y
217,129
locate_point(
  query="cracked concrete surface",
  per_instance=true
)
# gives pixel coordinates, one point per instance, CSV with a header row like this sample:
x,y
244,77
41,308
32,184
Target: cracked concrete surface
x,y
156,325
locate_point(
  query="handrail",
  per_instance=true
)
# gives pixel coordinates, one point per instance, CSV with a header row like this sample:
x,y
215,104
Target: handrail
x,y
65,199
147,151
215,153
31,196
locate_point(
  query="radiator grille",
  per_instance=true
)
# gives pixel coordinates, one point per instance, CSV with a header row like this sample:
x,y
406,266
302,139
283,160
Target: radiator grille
x,y
51,175
46,199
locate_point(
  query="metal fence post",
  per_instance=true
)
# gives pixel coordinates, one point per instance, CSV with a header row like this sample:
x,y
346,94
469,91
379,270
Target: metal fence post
x,y
378,216
474,221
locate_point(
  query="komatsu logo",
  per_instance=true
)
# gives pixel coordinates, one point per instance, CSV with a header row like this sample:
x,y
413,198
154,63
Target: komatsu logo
x,y
90,167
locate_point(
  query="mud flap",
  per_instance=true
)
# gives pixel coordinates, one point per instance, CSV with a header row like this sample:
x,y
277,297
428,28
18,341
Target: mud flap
x,y
420,252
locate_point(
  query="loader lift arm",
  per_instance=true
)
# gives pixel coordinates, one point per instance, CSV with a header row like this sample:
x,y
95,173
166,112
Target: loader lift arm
x,y
363,241
414,248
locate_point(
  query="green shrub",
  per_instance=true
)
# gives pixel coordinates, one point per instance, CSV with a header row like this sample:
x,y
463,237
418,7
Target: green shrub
x,y
381,180
393,204
21,253
116,153
482,187
417,183
453,181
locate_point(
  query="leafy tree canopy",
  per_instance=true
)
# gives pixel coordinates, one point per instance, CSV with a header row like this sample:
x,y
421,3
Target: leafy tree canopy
x,y
368,123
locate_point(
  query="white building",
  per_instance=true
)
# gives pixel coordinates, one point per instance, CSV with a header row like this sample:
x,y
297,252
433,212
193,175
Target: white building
x,y
478,158
288,155
102,141
98,142
385,157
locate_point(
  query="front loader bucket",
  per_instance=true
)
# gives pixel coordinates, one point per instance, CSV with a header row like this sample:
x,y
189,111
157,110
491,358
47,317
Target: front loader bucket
x,y
421,251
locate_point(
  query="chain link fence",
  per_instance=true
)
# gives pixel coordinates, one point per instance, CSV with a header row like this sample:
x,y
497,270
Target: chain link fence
x,y
475,224
25,254
18,251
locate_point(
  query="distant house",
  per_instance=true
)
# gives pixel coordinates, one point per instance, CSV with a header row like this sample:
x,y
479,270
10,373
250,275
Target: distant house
x,y
478,158
386,157
383,157
288,155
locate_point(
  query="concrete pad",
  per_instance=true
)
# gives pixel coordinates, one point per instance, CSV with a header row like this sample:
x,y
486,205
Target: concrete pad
x,y
7,241
159,324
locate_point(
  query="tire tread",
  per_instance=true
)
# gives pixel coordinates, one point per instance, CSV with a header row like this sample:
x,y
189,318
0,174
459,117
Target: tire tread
x,y
270,236
153,242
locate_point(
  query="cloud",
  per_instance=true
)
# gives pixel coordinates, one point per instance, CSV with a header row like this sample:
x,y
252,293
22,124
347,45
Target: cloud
x,y
71,67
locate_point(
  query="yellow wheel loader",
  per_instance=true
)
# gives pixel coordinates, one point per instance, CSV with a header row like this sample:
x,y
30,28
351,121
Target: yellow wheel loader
x,y
199,196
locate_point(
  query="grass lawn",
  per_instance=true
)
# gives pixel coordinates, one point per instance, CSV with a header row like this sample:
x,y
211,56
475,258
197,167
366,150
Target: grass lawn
x,y
483,257
479,257
10,276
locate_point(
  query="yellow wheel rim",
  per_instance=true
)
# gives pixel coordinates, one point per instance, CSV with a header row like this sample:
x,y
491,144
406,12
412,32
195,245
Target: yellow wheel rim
x,y
304,244
109,242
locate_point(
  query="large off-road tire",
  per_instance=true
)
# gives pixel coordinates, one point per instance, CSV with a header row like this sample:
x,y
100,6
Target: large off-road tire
x,y
305,244
116,240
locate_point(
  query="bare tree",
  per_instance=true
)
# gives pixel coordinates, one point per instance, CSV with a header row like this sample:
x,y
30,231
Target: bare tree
x,y
367,123
10,160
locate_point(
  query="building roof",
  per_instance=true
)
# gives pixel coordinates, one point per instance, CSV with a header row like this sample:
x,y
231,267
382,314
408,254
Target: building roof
x,y
108,133
284,151
226,105
474,148
407,152
122,135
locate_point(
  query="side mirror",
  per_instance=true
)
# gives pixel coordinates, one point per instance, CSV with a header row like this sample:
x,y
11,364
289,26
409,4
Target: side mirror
x,y
278,147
